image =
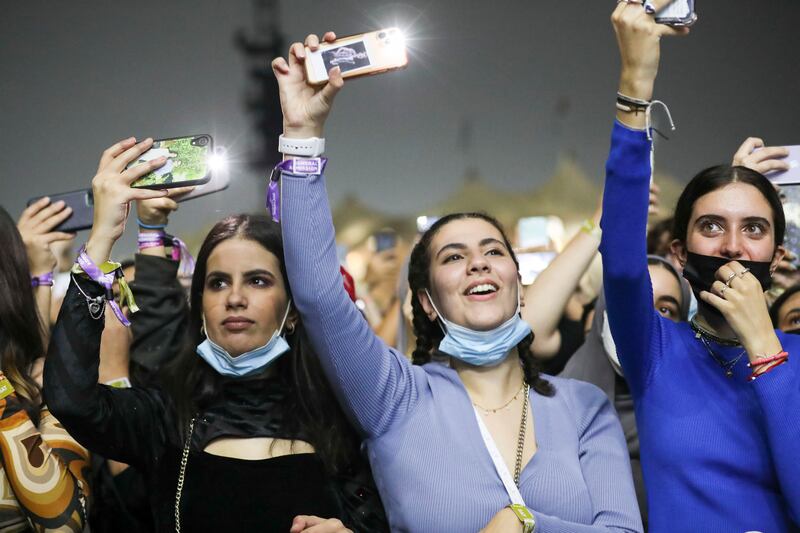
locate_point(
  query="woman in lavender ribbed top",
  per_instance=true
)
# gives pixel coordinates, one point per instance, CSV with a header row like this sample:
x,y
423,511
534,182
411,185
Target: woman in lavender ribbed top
x,y
428,458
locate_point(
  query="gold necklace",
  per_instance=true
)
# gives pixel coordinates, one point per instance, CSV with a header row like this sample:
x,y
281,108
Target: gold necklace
x,y
504,406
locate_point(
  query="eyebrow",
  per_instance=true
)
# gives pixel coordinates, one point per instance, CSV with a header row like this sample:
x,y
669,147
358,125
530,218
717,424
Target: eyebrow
x,y
720,218
249,273
669,299
461,246
791,312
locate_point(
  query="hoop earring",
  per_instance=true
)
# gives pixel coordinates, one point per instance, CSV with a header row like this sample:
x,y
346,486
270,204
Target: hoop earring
x,y
289,329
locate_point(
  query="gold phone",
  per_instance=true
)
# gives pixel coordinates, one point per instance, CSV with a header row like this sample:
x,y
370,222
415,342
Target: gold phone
x,y
358,55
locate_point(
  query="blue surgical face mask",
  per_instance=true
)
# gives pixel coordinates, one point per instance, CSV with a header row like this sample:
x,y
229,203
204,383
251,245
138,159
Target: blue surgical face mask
x,y
248,363
482,348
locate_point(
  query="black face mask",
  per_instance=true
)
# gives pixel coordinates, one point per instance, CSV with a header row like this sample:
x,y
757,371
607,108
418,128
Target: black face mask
x,y
701,270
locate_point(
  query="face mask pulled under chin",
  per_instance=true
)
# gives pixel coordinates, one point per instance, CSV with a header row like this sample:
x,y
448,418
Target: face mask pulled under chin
x,y
248,363
482,348
700,270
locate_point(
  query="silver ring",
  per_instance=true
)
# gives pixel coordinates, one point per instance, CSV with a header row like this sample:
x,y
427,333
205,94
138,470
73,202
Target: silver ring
x,y
730,278
743,272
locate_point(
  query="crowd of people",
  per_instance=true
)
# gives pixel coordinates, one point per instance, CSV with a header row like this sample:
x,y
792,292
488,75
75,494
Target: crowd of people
x,y
439,394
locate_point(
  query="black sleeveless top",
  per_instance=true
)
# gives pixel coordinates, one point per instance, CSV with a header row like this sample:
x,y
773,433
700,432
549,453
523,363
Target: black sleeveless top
x,y
226,494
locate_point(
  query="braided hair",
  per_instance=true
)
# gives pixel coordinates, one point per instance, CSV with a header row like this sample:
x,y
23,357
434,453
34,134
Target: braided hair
x,y
428,332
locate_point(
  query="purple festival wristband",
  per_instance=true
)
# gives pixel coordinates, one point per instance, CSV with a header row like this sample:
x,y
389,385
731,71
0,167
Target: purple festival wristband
x,y
43,280
314,166
180,252
105,280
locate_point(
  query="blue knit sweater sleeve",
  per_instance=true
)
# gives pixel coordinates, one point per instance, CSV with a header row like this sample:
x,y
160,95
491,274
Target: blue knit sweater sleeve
x,y
778,393
635,325
374,383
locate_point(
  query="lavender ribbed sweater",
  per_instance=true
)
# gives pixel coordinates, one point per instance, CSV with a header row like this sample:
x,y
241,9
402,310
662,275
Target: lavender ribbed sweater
x,y
428,459
718,454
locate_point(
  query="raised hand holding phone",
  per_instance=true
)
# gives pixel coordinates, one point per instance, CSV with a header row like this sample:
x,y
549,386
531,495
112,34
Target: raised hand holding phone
x,y
305,107
113,193
37,226
639,41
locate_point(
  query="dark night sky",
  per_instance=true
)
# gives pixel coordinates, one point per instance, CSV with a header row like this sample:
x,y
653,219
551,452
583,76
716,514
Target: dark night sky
x,y
77,76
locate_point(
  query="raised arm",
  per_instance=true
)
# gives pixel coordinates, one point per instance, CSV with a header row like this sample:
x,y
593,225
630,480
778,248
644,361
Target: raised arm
x,y
555,285
120,424
158,327
374,383
636,326
36,226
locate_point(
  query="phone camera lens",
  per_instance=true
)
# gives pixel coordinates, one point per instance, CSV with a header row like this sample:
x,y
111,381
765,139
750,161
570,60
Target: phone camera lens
x,y
382,35
202,141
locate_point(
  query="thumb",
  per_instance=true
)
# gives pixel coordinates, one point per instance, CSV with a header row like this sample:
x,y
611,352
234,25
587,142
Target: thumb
x,y
334,85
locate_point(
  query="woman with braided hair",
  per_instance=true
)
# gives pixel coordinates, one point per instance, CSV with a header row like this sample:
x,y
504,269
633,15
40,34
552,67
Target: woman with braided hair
x,y
480,442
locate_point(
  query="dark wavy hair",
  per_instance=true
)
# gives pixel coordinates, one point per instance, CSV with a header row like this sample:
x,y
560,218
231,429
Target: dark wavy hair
x,y
428,332
21,330
717,177
310,407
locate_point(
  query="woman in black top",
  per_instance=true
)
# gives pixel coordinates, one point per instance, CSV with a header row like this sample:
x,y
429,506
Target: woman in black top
x,y
243,434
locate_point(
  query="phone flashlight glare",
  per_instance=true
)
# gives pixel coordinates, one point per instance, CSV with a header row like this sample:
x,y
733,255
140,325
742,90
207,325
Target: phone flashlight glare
x,y
218,161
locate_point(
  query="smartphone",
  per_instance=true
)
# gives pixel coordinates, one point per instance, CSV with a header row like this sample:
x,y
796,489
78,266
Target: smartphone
x,y
358,55
791,176
187,162
531,264
82,204
676,13
220,177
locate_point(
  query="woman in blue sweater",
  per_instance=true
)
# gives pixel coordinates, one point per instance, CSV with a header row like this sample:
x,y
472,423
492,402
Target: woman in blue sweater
x,y
428,428
717,400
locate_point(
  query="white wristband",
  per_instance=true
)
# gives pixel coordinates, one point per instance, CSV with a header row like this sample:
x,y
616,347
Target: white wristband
x,y
311,147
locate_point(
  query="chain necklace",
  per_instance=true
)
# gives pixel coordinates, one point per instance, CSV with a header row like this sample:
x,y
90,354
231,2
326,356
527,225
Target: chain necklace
x,y
700,331
504,406
726,365
182,476
521,439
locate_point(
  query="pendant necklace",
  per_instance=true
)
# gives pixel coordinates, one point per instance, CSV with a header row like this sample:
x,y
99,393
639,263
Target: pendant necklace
x,y
726,365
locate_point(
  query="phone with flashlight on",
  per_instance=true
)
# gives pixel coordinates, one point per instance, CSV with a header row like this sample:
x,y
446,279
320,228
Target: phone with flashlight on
x,y
365,54
188,164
